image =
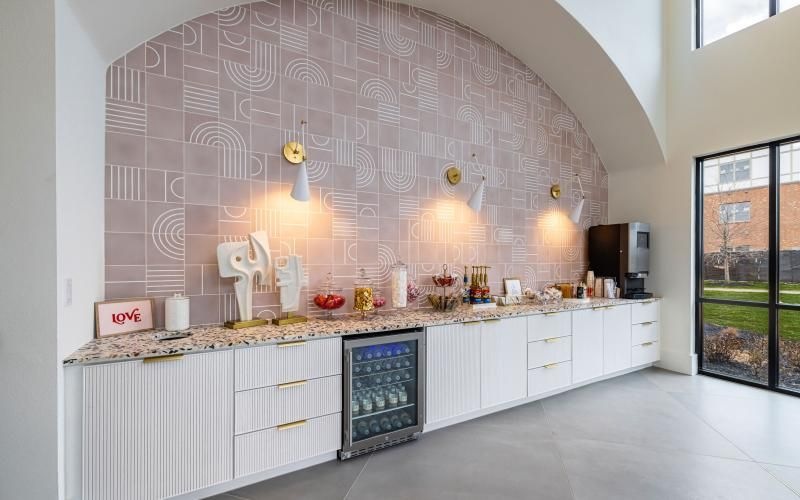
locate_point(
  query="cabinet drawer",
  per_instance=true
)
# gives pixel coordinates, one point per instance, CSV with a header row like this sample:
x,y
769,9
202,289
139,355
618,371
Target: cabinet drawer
x,y
549,351
547,325
644,332
277,446
646,353
549,378
643,312
270,406
287,362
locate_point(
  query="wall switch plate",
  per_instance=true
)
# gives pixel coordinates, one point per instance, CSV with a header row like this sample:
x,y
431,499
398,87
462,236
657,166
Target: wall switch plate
x,y
67,292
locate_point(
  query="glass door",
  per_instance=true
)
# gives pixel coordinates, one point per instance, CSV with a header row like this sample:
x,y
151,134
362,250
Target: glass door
x,y
383,390
748,265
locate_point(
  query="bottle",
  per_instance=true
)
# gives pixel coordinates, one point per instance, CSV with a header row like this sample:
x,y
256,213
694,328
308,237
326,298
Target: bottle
x,y
386,424
392,399
406,350
366,405
358,385
397,351
405,418
374,426
378,353
406,363
399,285
362,429
368,369
380,403
378,366
368,356
356,369
355,408
402,398
396,423
359,356
465,289
387,365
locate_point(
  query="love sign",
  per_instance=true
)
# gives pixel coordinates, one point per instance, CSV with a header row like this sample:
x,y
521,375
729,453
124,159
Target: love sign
x,y
115,317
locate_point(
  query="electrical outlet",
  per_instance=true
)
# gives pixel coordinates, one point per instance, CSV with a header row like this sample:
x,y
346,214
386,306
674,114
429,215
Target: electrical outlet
x,y
67,292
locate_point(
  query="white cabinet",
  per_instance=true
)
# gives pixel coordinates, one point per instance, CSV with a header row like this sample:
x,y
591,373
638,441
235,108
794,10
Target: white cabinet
x,y
158,427
616,338
587,344
549,325
453,370
549,351
549,378
504,361
287,362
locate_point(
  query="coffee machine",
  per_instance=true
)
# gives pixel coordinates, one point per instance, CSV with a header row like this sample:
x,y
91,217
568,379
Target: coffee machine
x,y
622,251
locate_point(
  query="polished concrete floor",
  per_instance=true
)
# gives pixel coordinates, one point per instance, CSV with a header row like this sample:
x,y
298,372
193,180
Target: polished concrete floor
x,y
647,435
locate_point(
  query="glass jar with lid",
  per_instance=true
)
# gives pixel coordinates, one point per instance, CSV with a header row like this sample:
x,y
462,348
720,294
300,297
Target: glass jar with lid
x,y
329,298
363,299
399,285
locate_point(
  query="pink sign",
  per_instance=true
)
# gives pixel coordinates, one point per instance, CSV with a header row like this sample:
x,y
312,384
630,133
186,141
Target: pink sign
x,y
116,317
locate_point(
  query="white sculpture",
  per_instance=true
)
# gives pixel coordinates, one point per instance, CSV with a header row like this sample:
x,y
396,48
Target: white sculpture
x,y
290,279
235,261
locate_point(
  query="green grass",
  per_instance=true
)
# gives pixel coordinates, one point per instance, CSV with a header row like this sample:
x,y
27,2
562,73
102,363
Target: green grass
x,y
752,319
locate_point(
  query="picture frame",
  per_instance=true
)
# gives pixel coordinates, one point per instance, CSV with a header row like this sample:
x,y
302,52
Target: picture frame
x,y
512,286
123,316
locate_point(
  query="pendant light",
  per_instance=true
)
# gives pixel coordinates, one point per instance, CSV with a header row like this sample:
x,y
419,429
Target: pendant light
x,y
575,216
476,200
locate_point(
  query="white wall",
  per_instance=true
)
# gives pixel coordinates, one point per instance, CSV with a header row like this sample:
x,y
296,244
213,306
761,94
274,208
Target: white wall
x,y
737,91
28,350
631,32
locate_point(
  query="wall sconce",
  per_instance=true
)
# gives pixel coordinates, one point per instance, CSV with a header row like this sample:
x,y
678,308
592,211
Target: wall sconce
x,y
295,153
575,216
476,200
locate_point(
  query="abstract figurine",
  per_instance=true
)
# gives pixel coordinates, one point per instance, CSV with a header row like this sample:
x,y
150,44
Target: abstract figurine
x,y
289,278
247,261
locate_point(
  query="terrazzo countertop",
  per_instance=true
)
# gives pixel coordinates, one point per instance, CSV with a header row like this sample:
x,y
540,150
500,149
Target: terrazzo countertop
x,y
147,344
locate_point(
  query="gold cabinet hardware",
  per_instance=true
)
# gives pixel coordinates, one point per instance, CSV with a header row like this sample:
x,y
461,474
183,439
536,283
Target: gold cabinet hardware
x,y
492,320
292,344
291,425
647,323
648,344
289,385
165,357
551,365
551,340
601,308
551,314
471,323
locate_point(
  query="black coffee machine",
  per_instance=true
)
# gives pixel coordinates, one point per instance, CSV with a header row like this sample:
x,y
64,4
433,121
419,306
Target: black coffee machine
x,y
622,251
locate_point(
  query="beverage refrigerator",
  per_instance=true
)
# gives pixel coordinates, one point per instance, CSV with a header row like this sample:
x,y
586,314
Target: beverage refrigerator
x,y
384,390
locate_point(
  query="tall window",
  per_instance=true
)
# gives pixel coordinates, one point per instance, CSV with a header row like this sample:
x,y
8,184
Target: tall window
x,y
717,19
748,258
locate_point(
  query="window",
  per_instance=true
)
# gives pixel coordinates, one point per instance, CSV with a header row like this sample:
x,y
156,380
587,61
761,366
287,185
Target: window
x,y
734,212
715,19
747,279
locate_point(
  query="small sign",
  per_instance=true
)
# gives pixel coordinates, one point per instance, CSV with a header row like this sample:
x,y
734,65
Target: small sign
x,y
117,317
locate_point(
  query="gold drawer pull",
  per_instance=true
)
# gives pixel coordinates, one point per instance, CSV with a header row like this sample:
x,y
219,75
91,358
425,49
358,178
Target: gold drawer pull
x,y
471,323
551,340
292,425
647,323
551,314
648,344
165,357
551,365
289,385
492,320
602,308
292,344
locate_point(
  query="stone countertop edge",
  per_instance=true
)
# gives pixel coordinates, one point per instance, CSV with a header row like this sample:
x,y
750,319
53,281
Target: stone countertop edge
x,y
214,338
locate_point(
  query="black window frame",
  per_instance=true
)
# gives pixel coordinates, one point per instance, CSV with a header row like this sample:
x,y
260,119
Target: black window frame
x,y
773,304
774,9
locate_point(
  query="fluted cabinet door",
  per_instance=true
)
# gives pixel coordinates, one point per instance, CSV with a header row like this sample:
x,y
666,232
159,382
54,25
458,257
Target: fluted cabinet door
x,y
504,361
157,429
453,371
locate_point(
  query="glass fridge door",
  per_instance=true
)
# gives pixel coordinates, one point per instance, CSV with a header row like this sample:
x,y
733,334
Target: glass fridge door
x,y
384,390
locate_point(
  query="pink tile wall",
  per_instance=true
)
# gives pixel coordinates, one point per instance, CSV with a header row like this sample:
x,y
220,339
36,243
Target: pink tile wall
x,y
197,116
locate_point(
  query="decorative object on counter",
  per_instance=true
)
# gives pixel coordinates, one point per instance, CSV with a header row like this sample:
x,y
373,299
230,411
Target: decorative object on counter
x,y
599,287
447,299
580,293
118,317
378,300
235,262
329,297
363,293
289,278
512,286
176,313
412,291
590,283
575,216
300,190
610,288
465,290
399,285
508,300
550,295
566,290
